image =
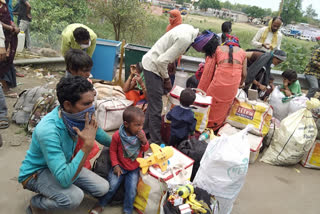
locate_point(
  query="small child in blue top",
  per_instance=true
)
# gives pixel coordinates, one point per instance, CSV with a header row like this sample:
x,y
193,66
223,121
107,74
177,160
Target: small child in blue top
x,y
182,118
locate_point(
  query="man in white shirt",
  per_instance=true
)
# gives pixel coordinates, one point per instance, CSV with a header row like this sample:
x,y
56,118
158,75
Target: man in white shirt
x,y
155,62
4,123
269,38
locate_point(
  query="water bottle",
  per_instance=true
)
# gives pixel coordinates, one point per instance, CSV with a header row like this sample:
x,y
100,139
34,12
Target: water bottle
x,y
205,135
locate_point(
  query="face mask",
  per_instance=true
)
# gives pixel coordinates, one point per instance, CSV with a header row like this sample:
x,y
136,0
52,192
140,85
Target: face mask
x,y
76,120
84,46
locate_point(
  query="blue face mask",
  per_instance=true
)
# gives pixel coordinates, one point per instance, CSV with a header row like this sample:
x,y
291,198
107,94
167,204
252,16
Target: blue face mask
x,y
76,120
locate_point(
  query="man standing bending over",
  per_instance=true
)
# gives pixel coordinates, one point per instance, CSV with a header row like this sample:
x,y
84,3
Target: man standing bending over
x,y
48,168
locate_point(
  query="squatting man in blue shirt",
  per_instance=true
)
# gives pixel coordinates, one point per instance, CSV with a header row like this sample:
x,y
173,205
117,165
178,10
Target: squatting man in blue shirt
x,y
48,168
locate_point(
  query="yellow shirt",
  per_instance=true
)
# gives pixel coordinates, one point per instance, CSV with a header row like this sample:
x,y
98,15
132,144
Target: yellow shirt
x,y
68,40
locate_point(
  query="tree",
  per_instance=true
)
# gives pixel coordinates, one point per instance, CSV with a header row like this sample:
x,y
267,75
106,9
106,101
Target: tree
x,y
227,4
291,11
124,15
51,17
310,12
255,12
205,4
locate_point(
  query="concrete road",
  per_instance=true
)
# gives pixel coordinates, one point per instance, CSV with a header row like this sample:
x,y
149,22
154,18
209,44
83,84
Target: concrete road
x,y
268,189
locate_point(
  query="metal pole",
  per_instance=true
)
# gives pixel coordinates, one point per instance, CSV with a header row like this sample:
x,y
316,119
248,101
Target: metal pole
x,y
280,7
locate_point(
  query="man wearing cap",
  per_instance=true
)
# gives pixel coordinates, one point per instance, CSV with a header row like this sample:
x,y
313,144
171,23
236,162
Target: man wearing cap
x,y
269,38
312,71
166,50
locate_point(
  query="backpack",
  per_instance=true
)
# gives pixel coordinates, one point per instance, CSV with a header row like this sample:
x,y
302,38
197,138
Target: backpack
x,y
24,105
195,150
102,166
44,104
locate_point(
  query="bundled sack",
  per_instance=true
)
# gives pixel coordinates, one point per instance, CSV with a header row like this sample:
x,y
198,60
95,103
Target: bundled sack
x,y
223,168
312,158
256,113
109,112
294,138
44,104
152,186
106,91
25,103
280,109
254,141
297,103
224,165
201,106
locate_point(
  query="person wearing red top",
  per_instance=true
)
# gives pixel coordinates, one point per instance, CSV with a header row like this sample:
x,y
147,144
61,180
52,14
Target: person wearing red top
x,y
128,143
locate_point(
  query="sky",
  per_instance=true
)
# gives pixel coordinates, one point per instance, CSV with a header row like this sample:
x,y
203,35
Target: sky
x,y
274,4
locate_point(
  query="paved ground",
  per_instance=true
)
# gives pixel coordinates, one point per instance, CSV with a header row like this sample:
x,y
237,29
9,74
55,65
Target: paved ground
x,y
268,189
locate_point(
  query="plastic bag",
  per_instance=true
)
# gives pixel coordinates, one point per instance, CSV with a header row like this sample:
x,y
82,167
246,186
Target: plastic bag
x,y
294,138
223,173
280,109
297,103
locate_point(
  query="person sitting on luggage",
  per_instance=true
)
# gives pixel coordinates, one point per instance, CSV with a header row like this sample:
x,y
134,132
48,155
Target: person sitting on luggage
x,y
128,144
291,85
182,118
79,63
134,88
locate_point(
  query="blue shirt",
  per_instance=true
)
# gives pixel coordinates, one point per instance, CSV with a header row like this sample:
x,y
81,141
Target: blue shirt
x,y
182,121
52,147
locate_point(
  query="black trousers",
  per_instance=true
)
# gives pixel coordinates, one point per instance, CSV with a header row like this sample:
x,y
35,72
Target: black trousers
x,y
152,123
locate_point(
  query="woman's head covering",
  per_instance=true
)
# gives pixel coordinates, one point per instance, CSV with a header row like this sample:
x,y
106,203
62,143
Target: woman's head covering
x,y
202,40
280,54
177,20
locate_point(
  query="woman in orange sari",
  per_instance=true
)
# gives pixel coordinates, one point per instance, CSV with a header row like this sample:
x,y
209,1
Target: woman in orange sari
x,y
224,72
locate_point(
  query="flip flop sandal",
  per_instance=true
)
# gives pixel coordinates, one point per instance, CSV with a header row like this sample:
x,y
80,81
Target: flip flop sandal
x,y
92,211
11,95
4,123
19,75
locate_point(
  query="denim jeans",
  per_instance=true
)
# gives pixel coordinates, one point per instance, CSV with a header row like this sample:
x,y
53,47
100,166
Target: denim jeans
x,y
3,105
152,122
53,196
131,179
314,85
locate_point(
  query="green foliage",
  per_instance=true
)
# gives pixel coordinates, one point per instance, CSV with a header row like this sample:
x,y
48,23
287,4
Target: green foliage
x,y
49,18
310,12
298,55
128,17
255,11
205,4
291,11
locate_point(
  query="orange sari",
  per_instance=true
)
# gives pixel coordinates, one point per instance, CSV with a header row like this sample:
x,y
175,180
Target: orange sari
x,y
221,82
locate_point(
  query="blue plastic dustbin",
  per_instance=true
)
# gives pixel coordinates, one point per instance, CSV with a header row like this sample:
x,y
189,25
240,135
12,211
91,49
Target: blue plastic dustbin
x,y
105,59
